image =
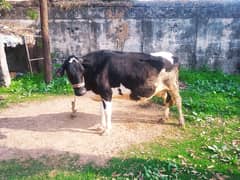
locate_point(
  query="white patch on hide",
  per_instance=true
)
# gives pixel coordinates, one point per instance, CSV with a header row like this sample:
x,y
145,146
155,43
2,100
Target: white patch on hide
x,y
73,59
164,54
164,76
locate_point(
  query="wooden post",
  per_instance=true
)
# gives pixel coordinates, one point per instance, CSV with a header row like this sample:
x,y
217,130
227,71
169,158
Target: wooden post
x,y
45,39
5,79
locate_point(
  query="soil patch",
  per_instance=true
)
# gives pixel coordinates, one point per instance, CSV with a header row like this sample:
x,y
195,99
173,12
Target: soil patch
x,y
31,130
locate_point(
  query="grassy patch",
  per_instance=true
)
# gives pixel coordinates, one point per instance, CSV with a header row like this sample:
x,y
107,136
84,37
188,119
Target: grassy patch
x,y
208,148
210,94
30,87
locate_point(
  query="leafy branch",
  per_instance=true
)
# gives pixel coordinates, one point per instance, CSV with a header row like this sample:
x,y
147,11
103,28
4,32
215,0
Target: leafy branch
x,y
4,5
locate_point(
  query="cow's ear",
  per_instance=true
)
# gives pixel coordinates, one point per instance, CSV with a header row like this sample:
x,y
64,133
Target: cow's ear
x,y
80,60
60,71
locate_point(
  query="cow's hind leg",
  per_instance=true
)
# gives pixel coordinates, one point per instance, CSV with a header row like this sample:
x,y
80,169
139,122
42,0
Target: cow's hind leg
x,y
166,103
176,98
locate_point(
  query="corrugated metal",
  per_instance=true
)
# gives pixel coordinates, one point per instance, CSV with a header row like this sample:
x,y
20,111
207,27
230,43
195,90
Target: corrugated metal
x,y
10,40
11,37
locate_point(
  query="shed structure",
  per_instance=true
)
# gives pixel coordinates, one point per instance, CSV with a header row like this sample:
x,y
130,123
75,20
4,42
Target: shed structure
x,y
11,37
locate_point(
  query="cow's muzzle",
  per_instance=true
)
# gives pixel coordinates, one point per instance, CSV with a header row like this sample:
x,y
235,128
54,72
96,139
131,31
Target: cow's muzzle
x,y
79,89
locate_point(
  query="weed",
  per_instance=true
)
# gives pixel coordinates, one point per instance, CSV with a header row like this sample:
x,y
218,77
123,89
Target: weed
x,y
210,94
31,13
33,86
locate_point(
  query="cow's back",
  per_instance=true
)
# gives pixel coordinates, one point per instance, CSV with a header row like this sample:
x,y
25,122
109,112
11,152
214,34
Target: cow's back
x,y
136,71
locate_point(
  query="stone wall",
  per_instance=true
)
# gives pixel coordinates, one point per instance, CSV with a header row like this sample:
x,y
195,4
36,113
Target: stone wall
x,y
201,32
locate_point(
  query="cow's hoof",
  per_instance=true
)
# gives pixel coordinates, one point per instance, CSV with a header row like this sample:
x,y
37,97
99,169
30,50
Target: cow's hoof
x,y
181,122
73,114
182,125
105,133
161,121
100,129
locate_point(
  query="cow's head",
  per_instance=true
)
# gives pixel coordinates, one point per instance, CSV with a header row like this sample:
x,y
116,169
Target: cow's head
x,y
74,68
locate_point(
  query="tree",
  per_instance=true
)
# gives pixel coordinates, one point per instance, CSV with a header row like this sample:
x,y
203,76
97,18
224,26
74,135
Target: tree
x,y
46,44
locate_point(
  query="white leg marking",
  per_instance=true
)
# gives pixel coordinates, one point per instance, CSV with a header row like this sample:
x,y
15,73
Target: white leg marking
x,y
103,119
108,114
106,117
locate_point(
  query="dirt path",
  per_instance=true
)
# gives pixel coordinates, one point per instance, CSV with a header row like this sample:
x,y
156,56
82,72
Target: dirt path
x,y
46,128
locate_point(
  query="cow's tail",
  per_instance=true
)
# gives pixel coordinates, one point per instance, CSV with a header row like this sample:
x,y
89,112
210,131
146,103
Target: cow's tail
x,y
169,99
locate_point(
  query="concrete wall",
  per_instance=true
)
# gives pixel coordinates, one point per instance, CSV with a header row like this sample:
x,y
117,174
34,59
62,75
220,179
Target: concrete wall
x,y
200,32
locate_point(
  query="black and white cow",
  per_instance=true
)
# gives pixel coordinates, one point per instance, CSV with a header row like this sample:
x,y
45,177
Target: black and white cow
x,y
144,75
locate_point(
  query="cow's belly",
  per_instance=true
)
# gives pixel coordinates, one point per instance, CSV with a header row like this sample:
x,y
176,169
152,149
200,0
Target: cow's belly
x,y
156,85
143,91
153,86
159,86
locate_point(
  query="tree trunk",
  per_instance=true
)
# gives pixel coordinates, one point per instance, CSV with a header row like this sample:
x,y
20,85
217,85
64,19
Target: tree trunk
x,y
45,38
5,79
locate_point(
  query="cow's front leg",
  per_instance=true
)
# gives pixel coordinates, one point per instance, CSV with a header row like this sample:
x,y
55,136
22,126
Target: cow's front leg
x,y
105,91
103,118
106,117
108,114
74,110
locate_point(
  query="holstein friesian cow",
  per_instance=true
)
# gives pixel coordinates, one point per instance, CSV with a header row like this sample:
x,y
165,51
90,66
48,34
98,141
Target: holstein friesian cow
x,y
144,75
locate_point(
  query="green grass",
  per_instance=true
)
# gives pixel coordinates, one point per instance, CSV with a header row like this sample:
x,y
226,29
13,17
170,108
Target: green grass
x,y
210,94
32,13
209,146
32,87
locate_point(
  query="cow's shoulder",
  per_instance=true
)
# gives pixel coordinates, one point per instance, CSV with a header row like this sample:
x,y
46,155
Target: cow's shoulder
x,y
96,60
